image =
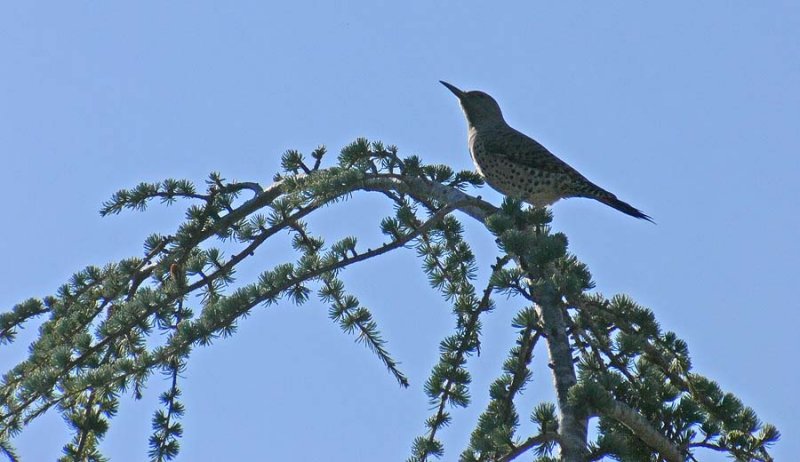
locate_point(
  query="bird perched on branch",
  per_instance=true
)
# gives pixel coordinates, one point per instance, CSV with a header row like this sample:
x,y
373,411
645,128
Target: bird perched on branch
x,y
517,165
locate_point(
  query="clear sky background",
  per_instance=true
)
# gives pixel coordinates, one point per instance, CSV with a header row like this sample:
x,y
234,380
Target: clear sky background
x,y
688,110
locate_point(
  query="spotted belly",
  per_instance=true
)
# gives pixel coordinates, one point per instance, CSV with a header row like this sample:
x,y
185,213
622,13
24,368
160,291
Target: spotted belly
x,y
521,182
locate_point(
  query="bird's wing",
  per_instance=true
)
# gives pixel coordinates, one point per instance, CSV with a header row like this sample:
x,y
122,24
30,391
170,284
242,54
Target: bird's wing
x,y
524,150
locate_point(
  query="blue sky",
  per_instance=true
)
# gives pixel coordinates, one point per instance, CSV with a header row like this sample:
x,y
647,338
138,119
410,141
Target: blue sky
x,y
687,110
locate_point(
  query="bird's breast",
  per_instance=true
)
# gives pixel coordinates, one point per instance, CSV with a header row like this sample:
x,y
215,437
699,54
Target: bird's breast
x,y
512,178
476,150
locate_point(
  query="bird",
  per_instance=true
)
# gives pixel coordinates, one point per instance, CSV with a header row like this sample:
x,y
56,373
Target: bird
x,y
517,165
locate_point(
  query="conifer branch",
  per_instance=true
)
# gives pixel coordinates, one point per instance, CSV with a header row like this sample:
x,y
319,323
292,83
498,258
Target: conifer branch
x,y
179,341
573,424
643,429
636,377
530,443
494,433
454,358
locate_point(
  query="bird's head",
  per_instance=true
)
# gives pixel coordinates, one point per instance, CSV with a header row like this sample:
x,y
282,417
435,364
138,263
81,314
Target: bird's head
x,y
479,107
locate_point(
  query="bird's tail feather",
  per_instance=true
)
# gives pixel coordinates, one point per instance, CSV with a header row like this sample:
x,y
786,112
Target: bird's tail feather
x,y
612,201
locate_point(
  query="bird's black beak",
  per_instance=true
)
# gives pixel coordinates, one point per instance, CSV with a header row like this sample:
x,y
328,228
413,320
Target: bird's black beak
x,y
452,88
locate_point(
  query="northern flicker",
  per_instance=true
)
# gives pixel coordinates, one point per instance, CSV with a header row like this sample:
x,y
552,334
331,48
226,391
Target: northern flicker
x,y
517,165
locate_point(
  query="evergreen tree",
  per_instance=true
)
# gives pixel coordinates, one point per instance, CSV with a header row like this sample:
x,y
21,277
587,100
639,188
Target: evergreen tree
x,y
608,357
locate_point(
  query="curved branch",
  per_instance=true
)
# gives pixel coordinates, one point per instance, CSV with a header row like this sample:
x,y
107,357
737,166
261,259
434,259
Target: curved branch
x,y
529,444
642,428
424,190
176,342
416,187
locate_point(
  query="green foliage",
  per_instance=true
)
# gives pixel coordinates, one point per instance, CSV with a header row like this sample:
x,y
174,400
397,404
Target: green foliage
x,y
110,330
498,424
